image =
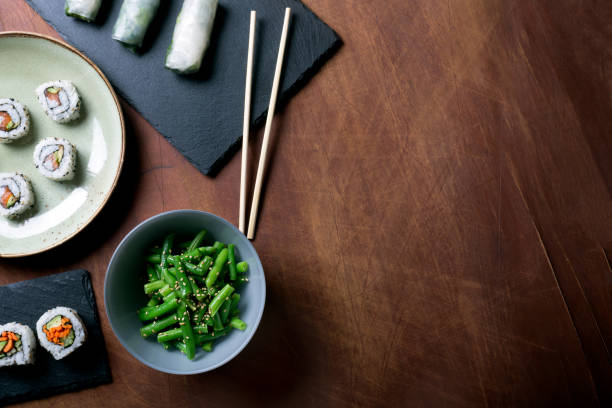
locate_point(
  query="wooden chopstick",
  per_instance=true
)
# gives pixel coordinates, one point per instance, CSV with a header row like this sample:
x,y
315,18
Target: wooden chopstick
x,y
246,124
266,139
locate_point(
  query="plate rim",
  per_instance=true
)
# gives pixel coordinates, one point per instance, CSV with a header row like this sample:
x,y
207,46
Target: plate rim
x,y
69,47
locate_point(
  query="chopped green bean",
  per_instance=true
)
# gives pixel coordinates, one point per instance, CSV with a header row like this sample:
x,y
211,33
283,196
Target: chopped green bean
x,y
181,346
207,346
158,325
225,311
235,301
153,302
218,245
149,313
169,335
242,267
217,323
216,269
201,338
208,250
197,240
219,298
153,286
205,264
236,323
232,262
194,269
183,282
188,336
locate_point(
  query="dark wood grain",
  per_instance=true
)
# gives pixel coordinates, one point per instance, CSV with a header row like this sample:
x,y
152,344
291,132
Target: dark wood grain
x,y
436,228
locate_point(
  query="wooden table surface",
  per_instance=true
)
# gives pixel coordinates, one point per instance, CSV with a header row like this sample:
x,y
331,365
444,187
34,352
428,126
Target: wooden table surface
x,y
436,228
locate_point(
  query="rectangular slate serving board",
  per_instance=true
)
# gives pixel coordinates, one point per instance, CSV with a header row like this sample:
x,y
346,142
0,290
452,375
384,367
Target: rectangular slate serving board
x,y
86,367
201,114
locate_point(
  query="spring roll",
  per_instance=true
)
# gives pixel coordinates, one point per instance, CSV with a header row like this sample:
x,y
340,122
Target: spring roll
x,y
83,9
191,36
133,21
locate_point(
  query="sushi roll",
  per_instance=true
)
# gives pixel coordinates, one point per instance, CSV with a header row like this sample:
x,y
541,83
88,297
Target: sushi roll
x,y
85,10
14,120
55,158
17,345
60,331
16,195
60,100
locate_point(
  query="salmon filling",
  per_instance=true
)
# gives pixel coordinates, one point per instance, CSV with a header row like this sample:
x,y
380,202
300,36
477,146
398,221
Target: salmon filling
x,y
53,160
6,122
8,199
52,95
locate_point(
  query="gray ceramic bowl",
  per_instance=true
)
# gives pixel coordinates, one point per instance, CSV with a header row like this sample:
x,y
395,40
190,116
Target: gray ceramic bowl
x,y
123,291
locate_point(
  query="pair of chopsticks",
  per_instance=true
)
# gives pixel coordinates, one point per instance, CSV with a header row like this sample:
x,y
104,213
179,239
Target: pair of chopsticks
x,y
246,125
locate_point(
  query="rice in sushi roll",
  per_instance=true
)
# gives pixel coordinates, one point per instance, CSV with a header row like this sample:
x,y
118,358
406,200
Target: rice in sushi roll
x,y
55,158
17,345
60,100
14,120
60,331
16,195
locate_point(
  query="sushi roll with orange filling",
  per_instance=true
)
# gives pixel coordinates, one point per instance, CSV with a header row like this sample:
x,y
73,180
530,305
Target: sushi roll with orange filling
x,y
14,120
55,158
16,195
60,100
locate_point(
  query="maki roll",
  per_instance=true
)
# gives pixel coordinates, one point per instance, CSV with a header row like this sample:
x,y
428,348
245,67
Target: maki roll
x,y
60,331
14,120
86,10
17,345
191,35
55,158
133,21
16,195
60,100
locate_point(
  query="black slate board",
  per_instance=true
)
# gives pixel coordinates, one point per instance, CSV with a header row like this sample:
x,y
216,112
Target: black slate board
x,y
205,119
86,367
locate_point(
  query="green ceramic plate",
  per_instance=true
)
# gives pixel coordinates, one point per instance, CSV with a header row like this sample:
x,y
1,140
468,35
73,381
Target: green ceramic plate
x,y
62,209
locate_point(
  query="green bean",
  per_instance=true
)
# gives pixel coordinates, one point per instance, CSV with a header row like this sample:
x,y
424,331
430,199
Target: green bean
x,y
197,240
158,325
170,296
232,262
153,302
205,264
235,301
225,310
236,323
155,250
216,269
218,245
154,258
165,290
184,286
188,336
181,346
153,286
167,277
166,346
201,329
169,335
219,298
242,267
201,338
189,303
193,255
151,273
217,323
208,250
149,313
194,269
207,346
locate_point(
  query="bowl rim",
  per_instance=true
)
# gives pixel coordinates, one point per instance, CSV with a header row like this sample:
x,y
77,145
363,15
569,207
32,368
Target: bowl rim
x,y
255,325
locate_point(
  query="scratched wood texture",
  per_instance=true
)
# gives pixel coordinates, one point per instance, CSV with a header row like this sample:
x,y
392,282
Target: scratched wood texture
x,y
437,222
